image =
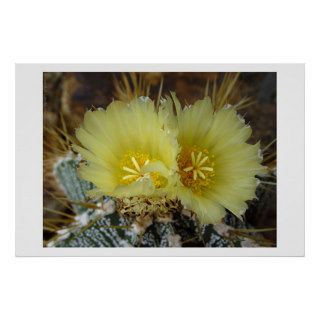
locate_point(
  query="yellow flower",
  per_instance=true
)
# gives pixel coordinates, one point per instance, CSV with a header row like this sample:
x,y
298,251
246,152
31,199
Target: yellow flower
x,y
128,151
217,168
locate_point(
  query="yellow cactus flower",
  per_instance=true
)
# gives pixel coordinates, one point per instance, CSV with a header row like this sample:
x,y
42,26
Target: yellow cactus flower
x,y
217,168
127,150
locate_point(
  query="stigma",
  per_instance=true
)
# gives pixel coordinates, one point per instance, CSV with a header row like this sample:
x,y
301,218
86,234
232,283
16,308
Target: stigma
x,y
135,170
196,168
131,169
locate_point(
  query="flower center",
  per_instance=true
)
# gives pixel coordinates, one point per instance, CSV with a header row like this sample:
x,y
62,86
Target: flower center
x,y
131,166
195,168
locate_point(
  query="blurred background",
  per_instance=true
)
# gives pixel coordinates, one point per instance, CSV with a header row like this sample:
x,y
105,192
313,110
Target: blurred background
x,y
66,97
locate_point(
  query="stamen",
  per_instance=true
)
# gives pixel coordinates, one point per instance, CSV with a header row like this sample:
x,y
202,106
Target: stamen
x,y
134,161
129,176
201,174
193,159
206,168
195,174
199,157
202,161
188,169
130,170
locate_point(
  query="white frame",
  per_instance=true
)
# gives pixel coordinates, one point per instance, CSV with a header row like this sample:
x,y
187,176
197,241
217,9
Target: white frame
x,y
290,158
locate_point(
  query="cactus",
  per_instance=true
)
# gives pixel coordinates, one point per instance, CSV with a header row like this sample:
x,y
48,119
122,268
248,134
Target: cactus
x,y
98,227
106,231
74,187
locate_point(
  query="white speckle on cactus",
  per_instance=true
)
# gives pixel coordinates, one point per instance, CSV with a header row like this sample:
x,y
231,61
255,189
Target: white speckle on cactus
x,y
69,156
124,243
140,228
249,243
99,212
79,157
222,229
83,219
109,206
137,228
174,240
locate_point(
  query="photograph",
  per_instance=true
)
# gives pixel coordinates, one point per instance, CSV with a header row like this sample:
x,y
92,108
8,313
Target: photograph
x,y
165,149
159,159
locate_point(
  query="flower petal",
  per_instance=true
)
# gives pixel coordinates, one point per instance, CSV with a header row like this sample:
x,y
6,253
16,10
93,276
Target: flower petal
x,y
207,210
156,166
140,187
227,129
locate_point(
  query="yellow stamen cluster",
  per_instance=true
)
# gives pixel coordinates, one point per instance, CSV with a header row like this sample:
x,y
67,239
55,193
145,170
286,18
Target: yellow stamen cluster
x,y
131,169
195,168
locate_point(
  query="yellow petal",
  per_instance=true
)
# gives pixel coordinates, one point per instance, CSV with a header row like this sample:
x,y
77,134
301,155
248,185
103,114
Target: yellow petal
x,y
156,166
143,187
208,211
